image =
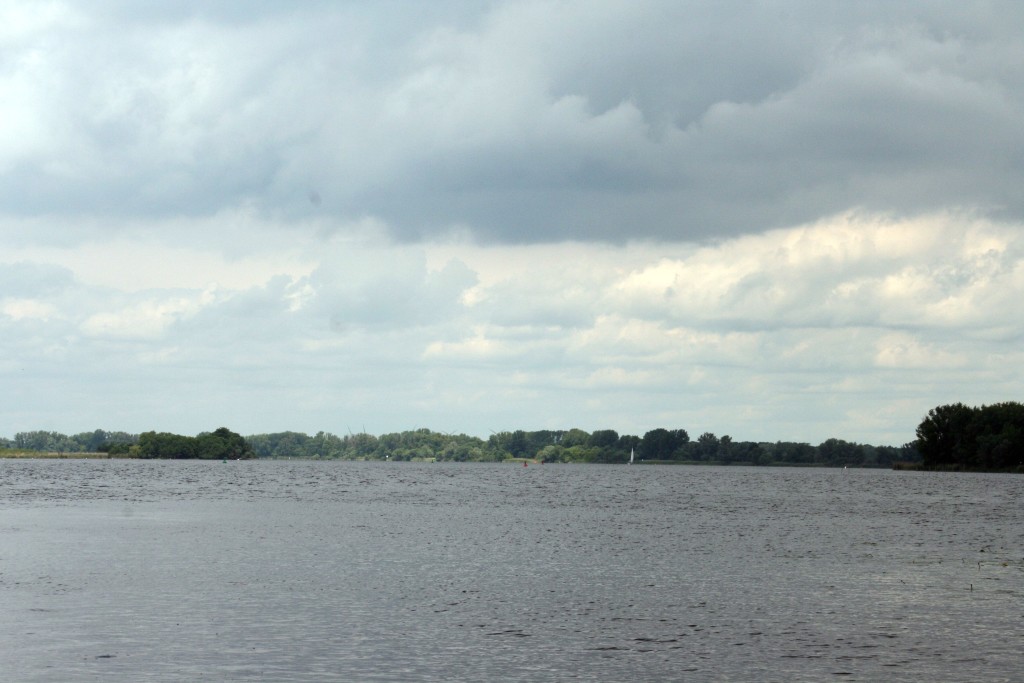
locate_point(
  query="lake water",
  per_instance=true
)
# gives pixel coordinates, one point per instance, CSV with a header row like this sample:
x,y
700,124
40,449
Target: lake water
x,y
118,570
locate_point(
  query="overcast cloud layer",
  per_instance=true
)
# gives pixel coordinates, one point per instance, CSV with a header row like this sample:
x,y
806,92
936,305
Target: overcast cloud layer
x,y
788,220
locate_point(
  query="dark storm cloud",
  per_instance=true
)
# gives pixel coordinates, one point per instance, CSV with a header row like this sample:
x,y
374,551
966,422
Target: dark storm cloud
x,y
518,122
745,119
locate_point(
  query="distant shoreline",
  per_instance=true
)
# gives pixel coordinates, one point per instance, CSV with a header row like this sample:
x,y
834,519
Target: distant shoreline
x,y
899,466
47,455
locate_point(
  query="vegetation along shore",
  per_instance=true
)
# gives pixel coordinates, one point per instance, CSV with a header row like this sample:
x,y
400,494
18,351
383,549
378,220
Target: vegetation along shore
x,y
950,437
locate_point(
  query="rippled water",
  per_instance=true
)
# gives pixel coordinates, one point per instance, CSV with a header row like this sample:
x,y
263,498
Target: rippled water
x,y
336,571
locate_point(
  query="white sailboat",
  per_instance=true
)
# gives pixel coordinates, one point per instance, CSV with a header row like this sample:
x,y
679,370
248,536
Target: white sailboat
x,y
630,456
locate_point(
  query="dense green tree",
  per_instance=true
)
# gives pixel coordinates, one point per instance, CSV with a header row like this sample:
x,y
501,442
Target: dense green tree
x,y
113,442
604,438
574,437
726,449
166,445
552,453
706,447
360,446
220,444
838,452
986,438
280,445
224,443
663,444
515,444
943,436
999,431
627,443
790,453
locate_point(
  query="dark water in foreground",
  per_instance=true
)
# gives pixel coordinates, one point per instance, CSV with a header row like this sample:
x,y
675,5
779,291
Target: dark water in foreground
x,y
309,571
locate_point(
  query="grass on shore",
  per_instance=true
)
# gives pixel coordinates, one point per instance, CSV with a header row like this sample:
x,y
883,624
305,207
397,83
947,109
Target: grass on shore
x,y
17,453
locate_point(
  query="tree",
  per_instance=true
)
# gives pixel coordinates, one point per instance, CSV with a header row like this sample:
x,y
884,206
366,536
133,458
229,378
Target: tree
x,y
999,434
552,453
604,438
166,445
510,444
839,452
52,442
663,444
361,445
726,449
574,437
941,435
627,443
707,446
222,444
230,445
986,438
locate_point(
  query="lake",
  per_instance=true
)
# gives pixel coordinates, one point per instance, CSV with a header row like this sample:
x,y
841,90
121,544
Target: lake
x,y
127,570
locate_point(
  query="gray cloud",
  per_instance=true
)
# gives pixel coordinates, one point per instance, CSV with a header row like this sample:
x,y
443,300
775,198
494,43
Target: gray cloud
x,y
519,122
31,279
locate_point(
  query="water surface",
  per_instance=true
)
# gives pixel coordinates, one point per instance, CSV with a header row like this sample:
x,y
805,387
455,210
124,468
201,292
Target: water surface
x,y
124,570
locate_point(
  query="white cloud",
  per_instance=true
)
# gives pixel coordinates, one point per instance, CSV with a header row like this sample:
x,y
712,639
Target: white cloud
x,y
18,309
824,319
146,319
904,351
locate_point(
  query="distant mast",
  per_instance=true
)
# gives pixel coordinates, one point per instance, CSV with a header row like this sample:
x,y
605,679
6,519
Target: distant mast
x,y
630,456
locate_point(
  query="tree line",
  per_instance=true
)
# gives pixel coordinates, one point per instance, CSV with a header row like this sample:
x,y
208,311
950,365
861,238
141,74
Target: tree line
x,y
553,446
222,443
986,438
98,441
954,437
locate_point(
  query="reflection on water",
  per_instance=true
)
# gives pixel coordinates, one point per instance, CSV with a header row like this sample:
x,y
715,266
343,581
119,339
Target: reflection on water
x,y
314,571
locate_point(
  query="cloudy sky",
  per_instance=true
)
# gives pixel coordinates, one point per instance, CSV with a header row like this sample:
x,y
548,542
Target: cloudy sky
x,y
774,220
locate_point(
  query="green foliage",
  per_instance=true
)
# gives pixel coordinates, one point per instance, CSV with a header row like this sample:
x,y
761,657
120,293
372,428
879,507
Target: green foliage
x,y
839,452
120,449
419,444
604,438
50,442
98,441
664,444
959,437
553,446
221,444
574,437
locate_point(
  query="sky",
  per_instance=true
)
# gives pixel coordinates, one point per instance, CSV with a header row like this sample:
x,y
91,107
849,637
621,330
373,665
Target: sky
x,y
791,220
